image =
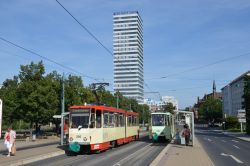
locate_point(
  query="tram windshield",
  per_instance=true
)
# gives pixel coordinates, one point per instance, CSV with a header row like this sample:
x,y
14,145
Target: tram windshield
x,y
80,118
158,120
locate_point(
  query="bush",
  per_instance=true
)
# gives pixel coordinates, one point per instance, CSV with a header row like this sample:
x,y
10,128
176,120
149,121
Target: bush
x,y
231,122
16,125
233,130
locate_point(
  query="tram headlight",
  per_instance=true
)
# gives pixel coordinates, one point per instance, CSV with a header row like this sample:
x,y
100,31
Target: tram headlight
x,y
71,139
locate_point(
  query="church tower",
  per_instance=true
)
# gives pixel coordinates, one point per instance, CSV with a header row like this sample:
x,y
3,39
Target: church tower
x,y
214,89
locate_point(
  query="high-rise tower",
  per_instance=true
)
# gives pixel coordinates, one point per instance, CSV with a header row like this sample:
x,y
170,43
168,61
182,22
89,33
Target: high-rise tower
x,y
128,54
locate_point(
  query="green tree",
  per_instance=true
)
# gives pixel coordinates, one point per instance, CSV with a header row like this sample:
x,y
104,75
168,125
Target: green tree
x,y
231,122
246,103
108,99
211,110
37,96
187,109
8,93
144,113
169,107
73,91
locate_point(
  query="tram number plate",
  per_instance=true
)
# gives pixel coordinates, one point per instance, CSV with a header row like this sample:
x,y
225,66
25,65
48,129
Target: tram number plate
x,y
96,146
85,143
78,136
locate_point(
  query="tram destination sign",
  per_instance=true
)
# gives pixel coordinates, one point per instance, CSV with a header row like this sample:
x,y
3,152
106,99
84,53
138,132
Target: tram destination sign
x,y
80,110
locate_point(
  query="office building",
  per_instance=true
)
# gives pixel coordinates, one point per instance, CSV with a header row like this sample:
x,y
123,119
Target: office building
x,y
128,54
232,96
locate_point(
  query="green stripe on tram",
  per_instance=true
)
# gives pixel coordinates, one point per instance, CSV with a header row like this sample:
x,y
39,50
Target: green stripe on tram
x,y
74,147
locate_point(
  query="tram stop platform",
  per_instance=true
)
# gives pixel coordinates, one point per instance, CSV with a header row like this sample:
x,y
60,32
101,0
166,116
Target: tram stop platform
x,y
174,155
31,151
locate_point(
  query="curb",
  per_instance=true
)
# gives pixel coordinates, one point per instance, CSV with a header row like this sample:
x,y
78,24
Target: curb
x,y
233,136
166,149
209,159
33,146
37,158
160,156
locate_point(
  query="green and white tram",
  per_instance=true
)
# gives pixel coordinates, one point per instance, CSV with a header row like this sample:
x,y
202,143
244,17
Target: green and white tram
x,y
162,126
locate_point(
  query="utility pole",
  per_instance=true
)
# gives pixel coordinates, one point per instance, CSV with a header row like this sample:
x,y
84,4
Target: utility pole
x,y
143,116
62,110
117,100
62,95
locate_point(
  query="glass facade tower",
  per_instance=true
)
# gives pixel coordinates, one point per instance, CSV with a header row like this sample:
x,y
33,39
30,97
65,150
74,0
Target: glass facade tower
x,y
128,54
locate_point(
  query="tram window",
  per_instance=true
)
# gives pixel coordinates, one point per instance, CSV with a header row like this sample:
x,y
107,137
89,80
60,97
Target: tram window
x,y
111,120
98,119
168,121
106,120
158,120
92,120
80,120
135,121
121,120
129,121
116,119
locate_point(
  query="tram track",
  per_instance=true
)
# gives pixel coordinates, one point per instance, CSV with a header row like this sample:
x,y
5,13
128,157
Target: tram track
x,y
93,159
140,152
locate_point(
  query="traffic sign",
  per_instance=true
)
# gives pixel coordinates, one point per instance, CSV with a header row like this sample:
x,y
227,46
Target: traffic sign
x,y
241,116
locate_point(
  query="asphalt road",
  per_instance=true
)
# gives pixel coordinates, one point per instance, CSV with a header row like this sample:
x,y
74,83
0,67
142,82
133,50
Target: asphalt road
x,y
222,149
137,153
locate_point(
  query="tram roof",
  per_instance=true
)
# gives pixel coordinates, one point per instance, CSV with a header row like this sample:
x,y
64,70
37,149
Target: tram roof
x,y
167,113
104,108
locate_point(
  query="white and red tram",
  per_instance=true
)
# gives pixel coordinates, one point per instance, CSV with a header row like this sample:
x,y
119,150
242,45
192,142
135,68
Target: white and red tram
x,y
97,128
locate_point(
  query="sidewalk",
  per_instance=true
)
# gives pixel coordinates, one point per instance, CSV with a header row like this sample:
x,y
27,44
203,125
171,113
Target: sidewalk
x,y
22,144
241,136
174,155
28,152
31,155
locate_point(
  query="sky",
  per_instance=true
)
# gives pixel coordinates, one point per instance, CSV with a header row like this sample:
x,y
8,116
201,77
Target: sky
x,y
181,40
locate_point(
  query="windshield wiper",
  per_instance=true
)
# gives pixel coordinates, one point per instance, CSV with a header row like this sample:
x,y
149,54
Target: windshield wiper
x,y
79,127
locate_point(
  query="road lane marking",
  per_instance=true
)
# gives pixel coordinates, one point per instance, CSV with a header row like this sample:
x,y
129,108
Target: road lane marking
x,y
235,141
209,140
233,157
236,146
118,163
223,141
